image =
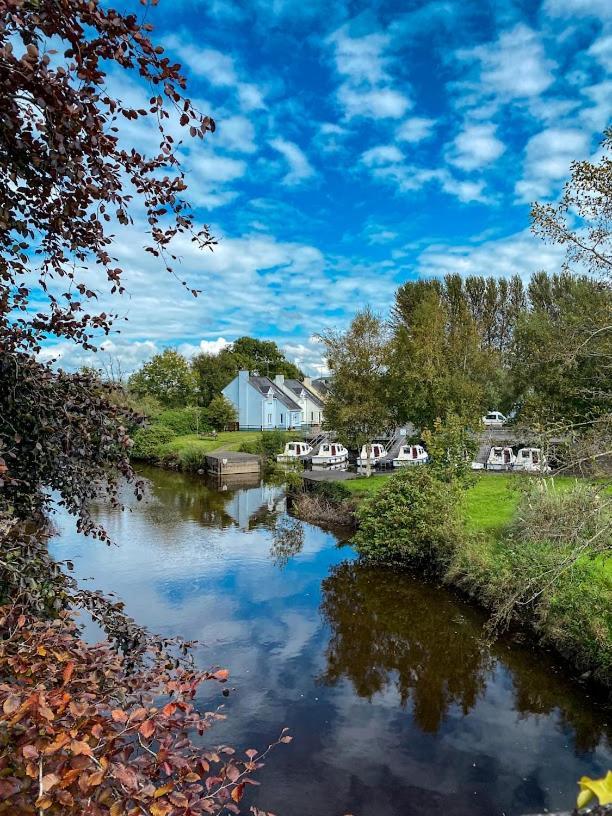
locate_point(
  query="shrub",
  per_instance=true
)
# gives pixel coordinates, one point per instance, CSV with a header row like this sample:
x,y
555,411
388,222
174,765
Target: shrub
x,y
191,458
268,445
333,492
413,519
221,412
550,572
149,442
185,420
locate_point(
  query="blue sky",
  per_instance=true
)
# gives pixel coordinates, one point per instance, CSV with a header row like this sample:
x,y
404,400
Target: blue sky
x,y
359,146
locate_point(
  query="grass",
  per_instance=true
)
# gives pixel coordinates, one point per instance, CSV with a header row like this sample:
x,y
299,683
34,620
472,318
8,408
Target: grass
x,y
489,505
226,440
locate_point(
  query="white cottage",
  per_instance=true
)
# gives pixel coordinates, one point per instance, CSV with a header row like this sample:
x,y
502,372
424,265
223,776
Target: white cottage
x,y
309,401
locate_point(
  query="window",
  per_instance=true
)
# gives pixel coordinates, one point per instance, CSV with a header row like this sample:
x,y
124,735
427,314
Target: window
x,y
281,419
269,419
312,416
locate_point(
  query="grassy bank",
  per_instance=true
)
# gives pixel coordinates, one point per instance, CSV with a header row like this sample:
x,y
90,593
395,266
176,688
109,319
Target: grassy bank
x,y
526,580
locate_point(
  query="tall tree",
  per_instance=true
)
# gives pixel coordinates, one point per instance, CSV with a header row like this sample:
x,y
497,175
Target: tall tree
x,y
357,406
168,378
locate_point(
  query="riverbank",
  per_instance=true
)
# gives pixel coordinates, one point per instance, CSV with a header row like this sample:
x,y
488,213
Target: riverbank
x,y
569,611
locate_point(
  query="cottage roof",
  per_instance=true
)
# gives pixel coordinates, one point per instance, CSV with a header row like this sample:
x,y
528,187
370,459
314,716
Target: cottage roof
x,y
321,385
263,386
297,387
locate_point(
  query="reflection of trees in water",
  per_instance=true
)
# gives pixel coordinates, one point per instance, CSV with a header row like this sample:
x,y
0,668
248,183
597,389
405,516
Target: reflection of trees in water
x,y
287,540
389,628
540,687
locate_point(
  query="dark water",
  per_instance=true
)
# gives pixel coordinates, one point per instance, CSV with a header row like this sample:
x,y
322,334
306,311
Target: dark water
x,y
396,702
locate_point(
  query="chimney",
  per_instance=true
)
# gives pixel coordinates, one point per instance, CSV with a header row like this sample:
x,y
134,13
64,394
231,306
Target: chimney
x,y
243,375
307,382
279,380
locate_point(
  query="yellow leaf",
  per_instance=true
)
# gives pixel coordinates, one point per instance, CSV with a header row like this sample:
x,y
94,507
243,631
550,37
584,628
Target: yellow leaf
x,y
163,790
601,788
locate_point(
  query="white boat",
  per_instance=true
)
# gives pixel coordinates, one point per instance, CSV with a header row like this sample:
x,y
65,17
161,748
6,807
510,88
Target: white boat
x,y
411,455
331,455
494,419
376,453
501,458
531,461
294,451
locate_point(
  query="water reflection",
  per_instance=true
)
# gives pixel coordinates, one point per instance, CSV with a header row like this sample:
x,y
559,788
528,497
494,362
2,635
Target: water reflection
x,y
397,703
390,630
386,630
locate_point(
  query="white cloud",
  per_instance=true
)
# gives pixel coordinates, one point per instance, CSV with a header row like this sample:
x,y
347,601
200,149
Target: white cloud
x,y
547,161
601,50
300,168
518,254
367,90
382,155
217,68
377,103
574,8
515,66
204,346
475,147
235,133
415,129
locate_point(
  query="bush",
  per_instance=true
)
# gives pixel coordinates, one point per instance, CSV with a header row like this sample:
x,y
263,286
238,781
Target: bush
x,y
268,445
333,492
149,442
221,412
413,519
550,573
185,420
191,458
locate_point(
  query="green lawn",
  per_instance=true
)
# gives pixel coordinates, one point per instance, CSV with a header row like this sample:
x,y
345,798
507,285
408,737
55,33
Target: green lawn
x,y
228,440
489,504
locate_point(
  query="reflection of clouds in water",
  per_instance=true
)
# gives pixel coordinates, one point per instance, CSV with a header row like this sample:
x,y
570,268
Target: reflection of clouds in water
x,y
397,707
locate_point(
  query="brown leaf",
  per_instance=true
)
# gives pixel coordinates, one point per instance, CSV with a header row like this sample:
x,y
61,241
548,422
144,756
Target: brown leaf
x,y
11,704
118,715
79,747
163,790
49,781
147,729
30,751
237,792
68,670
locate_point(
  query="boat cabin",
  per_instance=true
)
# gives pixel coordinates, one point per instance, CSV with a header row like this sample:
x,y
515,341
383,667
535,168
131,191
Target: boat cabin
x,y
411,455
501,458
374,452
531,460
293,450
330,454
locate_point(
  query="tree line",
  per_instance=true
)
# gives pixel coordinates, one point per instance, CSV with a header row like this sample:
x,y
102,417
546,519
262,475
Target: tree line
x,y
540,350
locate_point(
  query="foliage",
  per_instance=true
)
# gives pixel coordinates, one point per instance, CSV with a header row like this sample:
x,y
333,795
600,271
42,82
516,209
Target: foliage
x,y
412,520
267,444
358,406
215,371
582,221
549,571
221,412
185,420
595,788
83,732
191,458
61,432
168,378
149,441
65,176
333,492
451,448
443,354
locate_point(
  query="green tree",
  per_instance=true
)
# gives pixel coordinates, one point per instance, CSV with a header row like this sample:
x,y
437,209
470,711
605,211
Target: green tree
x,y
357,407
221,412
215,371
168,378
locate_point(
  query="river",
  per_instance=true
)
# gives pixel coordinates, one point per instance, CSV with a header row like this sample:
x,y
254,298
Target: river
x,y
397,703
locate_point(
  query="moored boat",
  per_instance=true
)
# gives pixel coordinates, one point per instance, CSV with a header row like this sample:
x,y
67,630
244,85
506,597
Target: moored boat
x,y
531,460
331,455
374,452
294,451
411,455
501,458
